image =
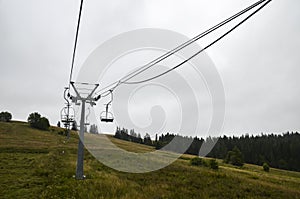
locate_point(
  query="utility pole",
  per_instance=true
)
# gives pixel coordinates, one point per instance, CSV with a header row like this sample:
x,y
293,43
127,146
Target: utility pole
x,y
84,100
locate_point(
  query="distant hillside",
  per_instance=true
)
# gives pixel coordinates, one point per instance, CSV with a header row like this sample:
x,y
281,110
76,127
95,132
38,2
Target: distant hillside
x,y
41,164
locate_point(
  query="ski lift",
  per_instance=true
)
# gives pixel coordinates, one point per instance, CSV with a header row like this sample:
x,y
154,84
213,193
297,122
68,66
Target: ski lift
x,y
67,114
107,116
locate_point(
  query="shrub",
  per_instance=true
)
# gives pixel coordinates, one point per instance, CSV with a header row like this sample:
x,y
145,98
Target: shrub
x,y
266,167
213,164
36,121
234,157
196,161
5,116
43,124
33,119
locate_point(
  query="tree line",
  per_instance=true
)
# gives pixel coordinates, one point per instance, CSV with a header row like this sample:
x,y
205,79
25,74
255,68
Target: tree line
x,y
277,150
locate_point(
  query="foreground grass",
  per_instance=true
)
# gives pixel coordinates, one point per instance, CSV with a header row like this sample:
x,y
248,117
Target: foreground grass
x,y
41,164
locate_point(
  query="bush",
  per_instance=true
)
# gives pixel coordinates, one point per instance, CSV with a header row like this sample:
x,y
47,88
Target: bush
x,y
266,167
213,164
234,157
33,119
5,116
196,161
43,124
36,121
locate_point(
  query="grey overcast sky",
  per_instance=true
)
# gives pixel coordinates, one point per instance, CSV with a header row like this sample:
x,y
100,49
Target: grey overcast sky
x,y
259,63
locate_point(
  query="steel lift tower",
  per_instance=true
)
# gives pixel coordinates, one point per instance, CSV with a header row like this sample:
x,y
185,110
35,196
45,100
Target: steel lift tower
x,y
84,99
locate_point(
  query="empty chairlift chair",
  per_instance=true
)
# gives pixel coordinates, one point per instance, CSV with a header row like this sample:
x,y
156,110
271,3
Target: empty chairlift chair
x,y
107,116
67,115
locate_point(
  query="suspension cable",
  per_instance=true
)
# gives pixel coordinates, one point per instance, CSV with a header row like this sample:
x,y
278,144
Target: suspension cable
x,y
180,47
197,38
211,44
75,44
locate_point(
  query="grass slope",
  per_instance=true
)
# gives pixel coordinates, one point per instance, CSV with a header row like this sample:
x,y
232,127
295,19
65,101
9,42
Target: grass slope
x,y
41,164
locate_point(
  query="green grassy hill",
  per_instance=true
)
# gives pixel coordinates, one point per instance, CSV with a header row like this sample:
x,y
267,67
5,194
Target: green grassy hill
x,y
41,164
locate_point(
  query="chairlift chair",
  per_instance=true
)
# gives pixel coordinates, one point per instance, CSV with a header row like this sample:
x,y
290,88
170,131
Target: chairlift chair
x,y
67,115
106,116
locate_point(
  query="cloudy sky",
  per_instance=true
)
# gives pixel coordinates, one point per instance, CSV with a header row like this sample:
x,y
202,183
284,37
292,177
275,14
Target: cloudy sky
x,y
259,63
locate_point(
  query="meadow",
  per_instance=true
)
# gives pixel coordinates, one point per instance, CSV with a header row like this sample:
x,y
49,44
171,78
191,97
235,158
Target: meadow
x,y
41,164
